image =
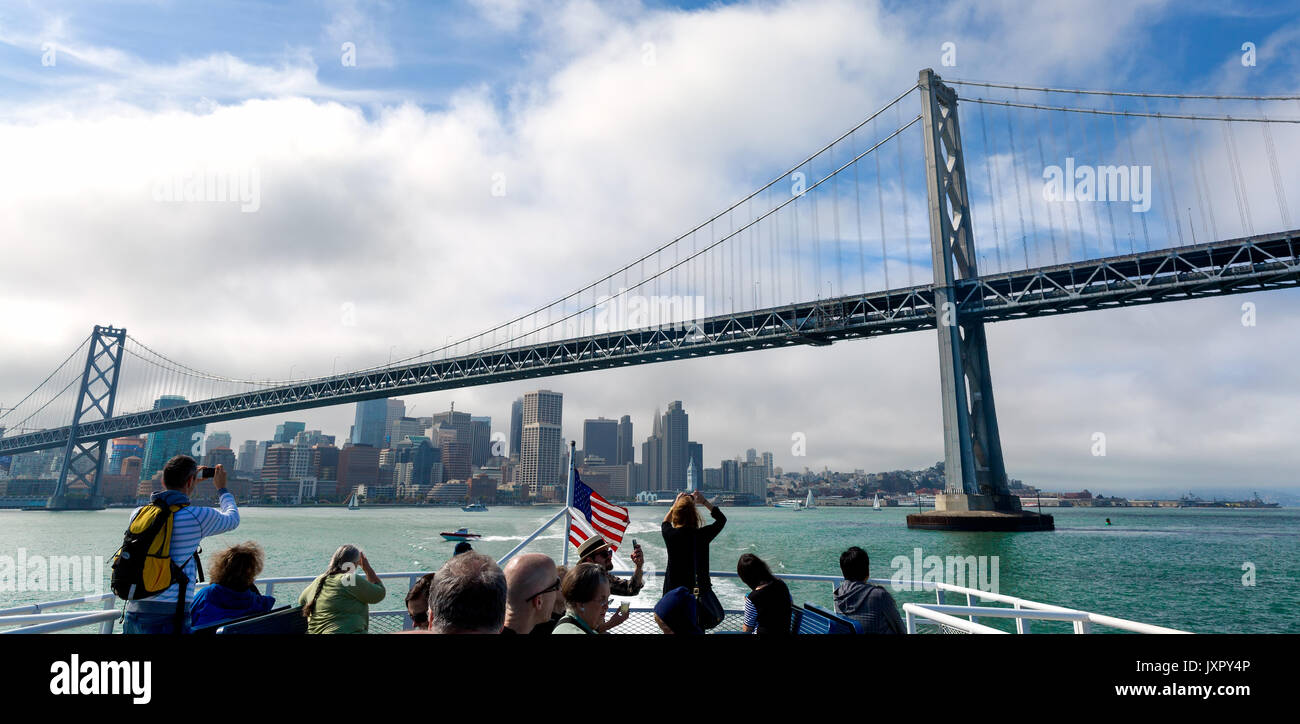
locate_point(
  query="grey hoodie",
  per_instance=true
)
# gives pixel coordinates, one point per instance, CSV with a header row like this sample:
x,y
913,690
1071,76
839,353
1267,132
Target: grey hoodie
x,y
869,605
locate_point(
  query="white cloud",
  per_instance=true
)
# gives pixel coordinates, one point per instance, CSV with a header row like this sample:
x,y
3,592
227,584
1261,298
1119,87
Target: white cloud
x,y
604,157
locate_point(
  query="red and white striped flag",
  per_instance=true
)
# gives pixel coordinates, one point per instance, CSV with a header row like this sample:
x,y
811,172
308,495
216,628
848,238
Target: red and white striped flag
x,y
593,515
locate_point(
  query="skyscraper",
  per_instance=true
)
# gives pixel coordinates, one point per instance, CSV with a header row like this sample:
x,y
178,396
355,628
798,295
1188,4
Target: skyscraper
x,y
396,411
482,440
166,444
731,476
675,434
247,461
123,448
371,423
516,426
626,445
215,440
600,438
541,440
285,431
695,455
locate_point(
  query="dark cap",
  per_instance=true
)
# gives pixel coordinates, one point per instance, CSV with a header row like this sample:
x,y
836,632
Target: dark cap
x,y
677,610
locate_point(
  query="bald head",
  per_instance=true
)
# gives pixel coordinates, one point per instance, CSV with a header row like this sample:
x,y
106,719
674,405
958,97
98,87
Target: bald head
x,y
527,576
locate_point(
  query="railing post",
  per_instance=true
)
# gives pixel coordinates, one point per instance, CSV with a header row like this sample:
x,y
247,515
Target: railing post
x,y
1022,625
270,589
109,604
911,622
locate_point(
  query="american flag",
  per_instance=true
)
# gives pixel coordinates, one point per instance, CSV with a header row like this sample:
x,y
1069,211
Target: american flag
x,y
593,515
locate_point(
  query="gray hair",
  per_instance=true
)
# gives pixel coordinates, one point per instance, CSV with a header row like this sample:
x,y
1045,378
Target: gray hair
x,y
468,595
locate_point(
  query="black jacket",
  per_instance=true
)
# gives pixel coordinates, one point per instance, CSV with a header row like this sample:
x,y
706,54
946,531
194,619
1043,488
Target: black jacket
x,y
688,551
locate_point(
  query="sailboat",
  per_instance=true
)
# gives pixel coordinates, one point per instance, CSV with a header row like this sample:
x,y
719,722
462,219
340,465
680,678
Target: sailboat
x,y
808,504
353,503
876,504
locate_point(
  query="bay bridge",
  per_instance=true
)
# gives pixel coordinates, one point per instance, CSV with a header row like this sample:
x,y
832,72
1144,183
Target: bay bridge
x,y
1058,201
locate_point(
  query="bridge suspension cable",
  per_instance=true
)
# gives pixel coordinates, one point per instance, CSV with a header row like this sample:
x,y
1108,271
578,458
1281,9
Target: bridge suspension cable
x,y
1136,94
1134,114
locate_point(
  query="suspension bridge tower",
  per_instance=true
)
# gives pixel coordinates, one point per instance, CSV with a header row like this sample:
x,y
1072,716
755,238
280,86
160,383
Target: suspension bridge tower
x,y
83,460
976,496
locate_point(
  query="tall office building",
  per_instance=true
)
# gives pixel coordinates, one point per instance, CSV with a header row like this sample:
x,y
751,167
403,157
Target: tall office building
x,y
279,462
731,476
285,431
481,443
458,421
370,424
626,445
751,456
166,444
215,440
123,448
247,460
600,439
260,459
675,432
767,463
358,465
652,454
540,462
516,427
695,455
396,411
403,427
223,456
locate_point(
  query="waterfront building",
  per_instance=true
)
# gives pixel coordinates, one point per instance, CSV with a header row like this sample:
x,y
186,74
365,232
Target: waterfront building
x,y
516,427
285,431
370,423
626,445
481,440
600,438
541,462
164,445
123,448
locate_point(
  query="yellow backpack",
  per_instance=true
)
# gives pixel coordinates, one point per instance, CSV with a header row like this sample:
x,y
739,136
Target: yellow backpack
x,y
143,566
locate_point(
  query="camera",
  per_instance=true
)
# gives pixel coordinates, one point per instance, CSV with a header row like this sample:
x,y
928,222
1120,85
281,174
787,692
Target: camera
x,y
207,471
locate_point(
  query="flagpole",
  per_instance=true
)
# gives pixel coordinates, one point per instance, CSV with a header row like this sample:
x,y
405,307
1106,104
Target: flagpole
x,y
568,504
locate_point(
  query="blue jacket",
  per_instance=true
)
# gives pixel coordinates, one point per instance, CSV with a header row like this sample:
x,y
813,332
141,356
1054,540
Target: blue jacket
x,y
215,603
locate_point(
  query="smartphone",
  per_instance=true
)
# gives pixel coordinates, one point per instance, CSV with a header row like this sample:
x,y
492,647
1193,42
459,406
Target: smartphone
x,y
634,545
207,471
623,608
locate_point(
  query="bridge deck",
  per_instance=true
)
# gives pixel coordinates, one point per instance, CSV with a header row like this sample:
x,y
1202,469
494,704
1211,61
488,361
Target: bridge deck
x,y
1232,266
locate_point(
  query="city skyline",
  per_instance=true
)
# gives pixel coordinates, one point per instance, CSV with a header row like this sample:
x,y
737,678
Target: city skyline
x,y
319,300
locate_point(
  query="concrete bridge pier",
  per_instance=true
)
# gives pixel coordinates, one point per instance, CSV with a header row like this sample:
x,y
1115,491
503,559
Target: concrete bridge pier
x,y
976,497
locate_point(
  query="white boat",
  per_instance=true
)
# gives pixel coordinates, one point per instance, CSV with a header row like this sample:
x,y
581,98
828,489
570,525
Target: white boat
x,y
353,503
808,504
794,504
876,505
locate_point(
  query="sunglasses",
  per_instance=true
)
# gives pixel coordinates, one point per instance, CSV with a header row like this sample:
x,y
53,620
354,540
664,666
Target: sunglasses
x,y
553,587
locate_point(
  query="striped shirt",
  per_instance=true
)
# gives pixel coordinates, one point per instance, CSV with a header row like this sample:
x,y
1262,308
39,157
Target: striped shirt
x,y
751,612
189,527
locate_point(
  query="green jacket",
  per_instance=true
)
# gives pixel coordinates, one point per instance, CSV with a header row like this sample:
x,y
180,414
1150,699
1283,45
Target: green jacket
x,y
571,624
341,608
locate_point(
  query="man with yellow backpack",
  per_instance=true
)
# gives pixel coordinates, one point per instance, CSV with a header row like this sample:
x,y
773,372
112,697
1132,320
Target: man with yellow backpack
x,y
157,567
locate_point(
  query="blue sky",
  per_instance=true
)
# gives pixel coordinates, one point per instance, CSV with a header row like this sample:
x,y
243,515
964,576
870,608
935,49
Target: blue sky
x,y
619,126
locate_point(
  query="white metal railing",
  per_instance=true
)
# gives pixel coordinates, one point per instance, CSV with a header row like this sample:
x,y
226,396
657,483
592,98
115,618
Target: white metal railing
x,y
44,617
